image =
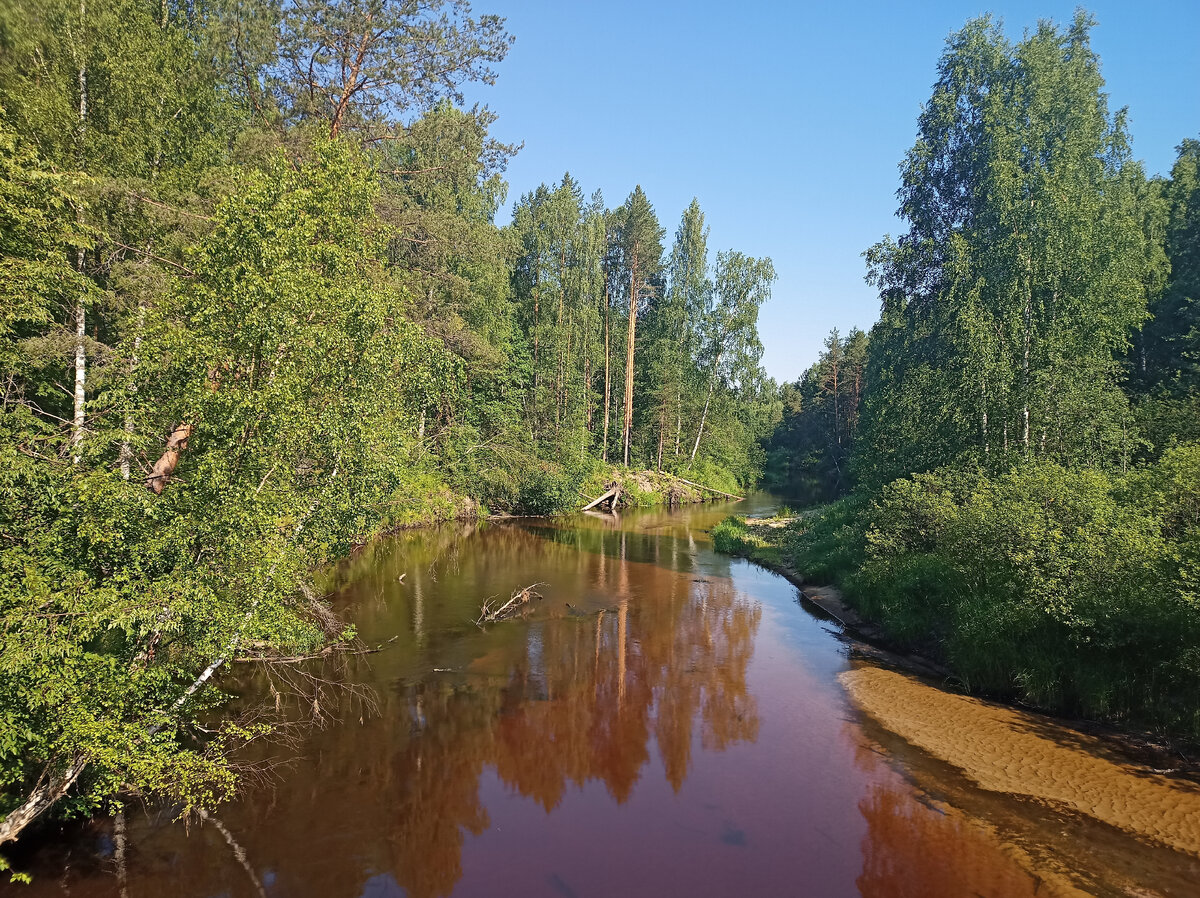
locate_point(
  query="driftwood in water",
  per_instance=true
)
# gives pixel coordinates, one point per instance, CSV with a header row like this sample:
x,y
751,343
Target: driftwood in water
x,y
339,649
710,489
165,466
491,611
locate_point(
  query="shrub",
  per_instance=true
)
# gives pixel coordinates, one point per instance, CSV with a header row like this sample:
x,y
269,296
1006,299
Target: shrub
x,y
1071,590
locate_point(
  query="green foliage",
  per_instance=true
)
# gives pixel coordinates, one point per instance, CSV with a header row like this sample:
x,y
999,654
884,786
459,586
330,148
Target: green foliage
x,y
732,537
362,63
114,598
213,226
826,544
808,454
549,489
999,520
1008,304
1069,590
1168,356
38,229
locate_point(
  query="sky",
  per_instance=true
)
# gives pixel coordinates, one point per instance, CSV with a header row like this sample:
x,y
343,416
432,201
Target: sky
x,y
787,121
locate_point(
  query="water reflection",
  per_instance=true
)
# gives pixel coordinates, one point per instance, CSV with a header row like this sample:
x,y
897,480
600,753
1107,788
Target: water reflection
x,y
624,657
665,721
928,848
580,700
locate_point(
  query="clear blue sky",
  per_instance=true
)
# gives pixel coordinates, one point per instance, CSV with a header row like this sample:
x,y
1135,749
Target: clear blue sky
x,y
786,120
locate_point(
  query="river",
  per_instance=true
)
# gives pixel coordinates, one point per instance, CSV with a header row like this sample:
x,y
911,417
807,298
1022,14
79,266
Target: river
x,y
666,721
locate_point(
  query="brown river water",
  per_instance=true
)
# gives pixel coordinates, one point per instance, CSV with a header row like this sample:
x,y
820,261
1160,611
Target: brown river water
x,y
666,721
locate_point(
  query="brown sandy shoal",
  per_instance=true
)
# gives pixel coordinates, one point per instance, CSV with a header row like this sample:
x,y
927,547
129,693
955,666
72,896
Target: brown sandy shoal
x,y
1005,750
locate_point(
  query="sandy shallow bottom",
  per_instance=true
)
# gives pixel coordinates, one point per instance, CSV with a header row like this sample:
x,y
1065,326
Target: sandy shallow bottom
x,y
1006,751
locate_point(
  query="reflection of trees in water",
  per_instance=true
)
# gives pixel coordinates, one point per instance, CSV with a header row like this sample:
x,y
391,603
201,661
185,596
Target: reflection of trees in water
x,y
580,703
914,848
569,697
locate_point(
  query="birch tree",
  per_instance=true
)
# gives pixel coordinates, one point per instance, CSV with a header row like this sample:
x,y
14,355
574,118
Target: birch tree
x,y
732,349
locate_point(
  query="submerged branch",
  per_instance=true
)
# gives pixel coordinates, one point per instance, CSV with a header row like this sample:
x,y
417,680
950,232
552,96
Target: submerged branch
x,y
490,612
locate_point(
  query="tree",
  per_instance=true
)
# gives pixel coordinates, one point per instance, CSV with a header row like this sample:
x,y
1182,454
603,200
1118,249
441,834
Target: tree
x,y
640,239
809,450
676,322
364,63
1010,300
1172,339
732,349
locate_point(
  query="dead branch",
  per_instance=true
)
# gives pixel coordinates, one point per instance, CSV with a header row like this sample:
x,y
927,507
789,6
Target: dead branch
x,y
338,649
52,786
150,255
710,489
165,466
176,209
611,494
490,612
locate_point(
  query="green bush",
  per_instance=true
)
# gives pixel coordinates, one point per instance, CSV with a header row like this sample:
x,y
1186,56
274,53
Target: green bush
x,y
1071,590
730,536
826,545
549,489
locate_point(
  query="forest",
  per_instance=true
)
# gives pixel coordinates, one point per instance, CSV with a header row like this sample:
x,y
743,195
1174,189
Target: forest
x,y
255,309
1012,447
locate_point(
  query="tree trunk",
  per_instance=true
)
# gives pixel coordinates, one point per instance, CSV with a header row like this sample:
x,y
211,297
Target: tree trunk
x,y
633,304
712,382
585,385
50,790
560,399
165,466
662,432
607,379
1025,364
588,406
566,368
984,415
80,369
535,364
78,421
837,411
678,413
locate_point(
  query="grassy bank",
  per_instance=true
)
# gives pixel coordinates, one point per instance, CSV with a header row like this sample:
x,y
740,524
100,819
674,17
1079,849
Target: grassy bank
x,y
1071,591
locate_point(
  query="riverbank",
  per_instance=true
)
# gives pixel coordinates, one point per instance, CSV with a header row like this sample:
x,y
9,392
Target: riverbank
x,y
646,489
765,540
438,503
785,545
1133,781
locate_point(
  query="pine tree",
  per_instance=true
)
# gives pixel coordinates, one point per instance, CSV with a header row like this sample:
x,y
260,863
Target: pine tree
x,y
640,239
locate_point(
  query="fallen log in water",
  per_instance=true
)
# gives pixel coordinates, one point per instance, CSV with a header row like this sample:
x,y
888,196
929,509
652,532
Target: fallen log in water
x,y
490,611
